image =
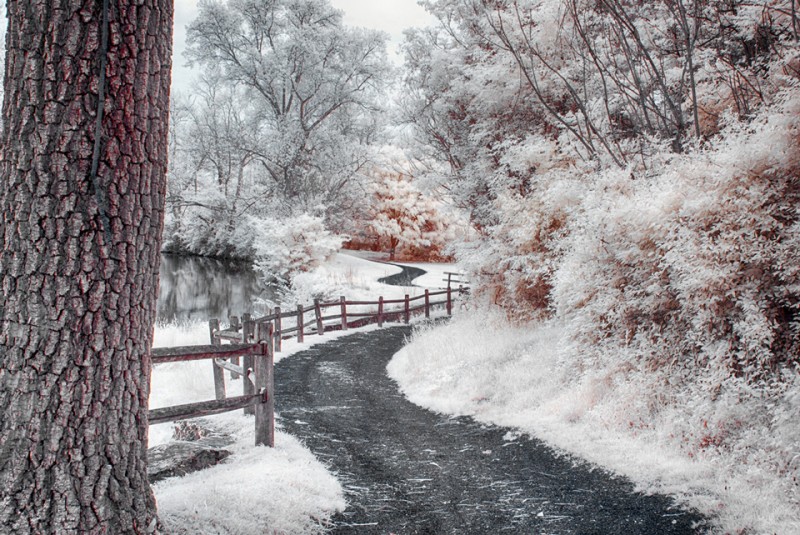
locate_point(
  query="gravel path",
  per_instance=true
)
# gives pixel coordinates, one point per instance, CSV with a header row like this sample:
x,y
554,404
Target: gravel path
x,y
407,470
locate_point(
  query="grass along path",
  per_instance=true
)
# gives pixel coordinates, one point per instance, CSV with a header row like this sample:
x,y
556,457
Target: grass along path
x,y
409,470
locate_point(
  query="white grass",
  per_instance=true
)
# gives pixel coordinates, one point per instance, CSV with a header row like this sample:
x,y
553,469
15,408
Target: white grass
x,y
513,376
352,274
348,275
256,490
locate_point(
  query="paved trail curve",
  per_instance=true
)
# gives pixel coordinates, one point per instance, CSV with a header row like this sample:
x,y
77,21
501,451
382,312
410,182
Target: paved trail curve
x,y
407,470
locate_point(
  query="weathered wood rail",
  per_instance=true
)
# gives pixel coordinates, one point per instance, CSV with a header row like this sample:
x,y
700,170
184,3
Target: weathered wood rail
x,y
246,350
257,398
454,278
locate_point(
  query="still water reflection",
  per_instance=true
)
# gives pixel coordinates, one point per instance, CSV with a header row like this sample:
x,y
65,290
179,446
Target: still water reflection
x,y
196,289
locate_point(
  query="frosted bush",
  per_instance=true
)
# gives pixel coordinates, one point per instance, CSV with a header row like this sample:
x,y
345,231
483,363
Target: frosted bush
x,y
682,286
402,219
693,257
287,246
511,263
207,226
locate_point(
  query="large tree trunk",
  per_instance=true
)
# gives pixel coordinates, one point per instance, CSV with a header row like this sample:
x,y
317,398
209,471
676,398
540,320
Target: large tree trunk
x,y
79,263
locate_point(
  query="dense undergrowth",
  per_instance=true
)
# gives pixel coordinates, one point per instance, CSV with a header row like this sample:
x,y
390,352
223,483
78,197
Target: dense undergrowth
x,y
678,294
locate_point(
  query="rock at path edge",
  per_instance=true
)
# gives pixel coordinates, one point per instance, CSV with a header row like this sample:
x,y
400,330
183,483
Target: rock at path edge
x,y
181,457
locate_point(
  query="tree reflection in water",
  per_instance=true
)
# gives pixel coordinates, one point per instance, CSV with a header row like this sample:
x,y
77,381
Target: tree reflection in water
x,y
196,289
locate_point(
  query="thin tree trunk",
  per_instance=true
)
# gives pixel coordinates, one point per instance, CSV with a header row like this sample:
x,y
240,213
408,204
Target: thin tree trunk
x,y
81,228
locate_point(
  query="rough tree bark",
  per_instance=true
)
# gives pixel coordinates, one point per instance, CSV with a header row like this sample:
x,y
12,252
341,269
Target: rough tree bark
x,y
81,225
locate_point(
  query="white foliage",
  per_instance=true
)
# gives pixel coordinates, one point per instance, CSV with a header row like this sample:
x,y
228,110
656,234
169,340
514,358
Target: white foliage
x,y
285,247
413,223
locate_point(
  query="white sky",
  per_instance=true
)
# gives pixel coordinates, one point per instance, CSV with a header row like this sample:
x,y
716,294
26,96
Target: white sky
x,y
390,16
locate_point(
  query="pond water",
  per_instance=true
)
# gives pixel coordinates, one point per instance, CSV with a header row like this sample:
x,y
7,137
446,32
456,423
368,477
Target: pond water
x,y
197,289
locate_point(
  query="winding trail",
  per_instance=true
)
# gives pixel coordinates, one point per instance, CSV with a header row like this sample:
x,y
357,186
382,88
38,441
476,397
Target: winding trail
x,y
404,278
408,470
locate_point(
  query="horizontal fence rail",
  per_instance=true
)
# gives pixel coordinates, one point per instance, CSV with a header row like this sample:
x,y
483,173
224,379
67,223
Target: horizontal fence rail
x,y
324,319
258,383
203,408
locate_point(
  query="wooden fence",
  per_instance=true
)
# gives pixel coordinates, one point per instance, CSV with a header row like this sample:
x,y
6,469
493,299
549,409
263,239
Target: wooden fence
x,y
257,398
343,317
454,278
246,350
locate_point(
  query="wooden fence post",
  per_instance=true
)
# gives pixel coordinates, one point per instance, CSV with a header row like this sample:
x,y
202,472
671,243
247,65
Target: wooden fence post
x,y
265,411
449,301
248,387
278,333
245,318
406,310
300,324
234,327
427,303
219,374
318,313
245,335
344,312
380,311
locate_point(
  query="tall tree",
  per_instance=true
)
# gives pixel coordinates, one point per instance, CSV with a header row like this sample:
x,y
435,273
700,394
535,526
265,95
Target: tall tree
x,y
82,185
210,182
411,222
316,86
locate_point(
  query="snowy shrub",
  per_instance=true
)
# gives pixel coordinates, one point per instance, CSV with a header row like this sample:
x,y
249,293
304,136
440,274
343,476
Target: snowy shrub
x,y
701,252
511,263
287,246
280,245
206,226
404,221
683,287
